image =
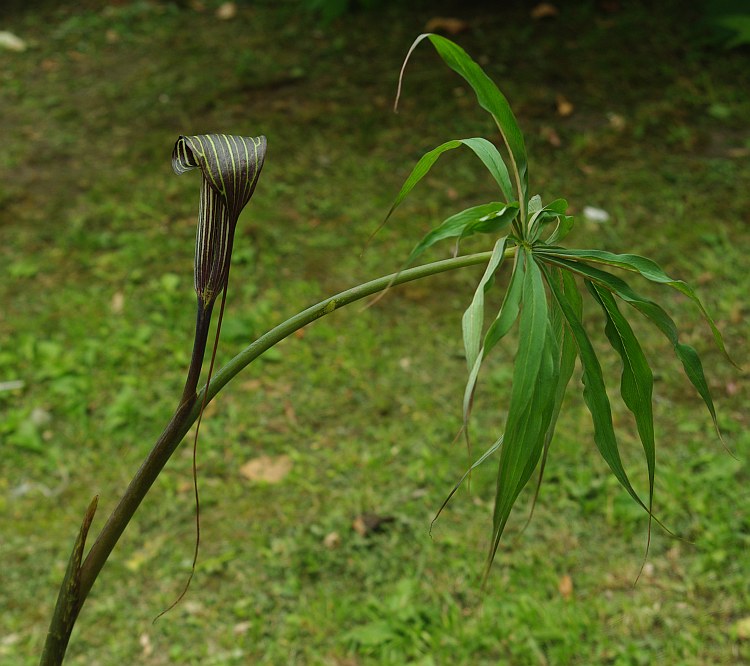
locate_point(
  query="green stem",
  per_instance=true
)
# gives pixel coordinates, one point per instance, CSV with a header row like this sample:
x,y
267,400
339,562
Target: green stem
x,y
187,413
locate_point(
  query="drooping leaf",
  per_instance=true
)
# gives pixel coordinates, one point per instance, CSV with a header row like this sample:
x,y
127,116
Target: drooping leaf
x,y
595,393
637,380
530,402
491,100
230,166
487,218
689,358
648,269
482,148
473,318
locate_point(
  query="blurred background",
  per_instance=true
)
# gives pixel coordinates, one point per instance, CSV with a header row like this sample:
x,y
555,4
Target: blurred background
x,y
322,465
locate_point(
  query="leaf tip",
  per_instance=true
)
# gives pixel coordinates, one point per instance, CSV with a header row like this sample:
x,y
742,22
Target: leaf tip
x,y
414,45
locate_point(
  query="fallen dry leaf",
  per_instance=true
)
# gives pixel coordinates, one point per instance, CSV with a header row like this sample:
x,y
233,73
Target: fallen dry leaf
x,y
252,385
550,135
742,627
290,414
146,646
738,152
564,106
242,627
226,11
616,121
544,10
117,303
706,277
367,523
270,469
332,540
446,25
737,313
565,586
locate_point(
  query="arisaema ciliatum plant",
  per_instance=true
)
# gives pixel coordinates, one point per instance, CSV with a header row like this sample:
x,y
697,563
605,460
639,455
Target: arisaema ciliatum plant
x,y
544,301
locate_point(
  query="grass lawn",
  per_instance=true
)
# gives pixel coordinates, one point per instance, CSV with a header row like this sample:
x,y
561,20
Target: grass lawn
x,y
96,245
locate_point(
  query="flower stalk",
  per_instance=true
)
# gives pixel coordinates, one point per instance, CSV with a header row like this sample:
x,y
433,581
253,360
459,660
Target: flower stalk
x,y
83,573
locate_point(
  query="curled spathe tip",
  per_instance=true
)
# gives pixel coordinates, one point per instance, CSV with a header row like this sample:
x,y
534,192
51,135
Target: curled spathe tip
x,y
230,164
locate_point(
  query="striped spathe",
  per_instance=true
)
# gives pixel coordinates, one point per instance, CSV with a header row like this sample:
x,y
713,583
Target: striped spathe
x,y
230,166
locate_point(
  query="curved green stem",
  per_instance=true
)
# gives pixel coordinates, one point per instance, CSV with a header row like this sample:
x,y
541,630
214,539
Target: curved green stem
x,y
329,305
186,415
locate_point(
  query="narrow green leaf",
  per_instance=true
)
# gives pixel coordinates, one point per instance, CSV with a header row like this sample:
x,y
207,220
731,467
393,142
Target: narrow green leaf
x,y
637,380
689,358
487,152
502,323
493,101
482,148
552,212
508,313
595,393
564,225
648,269
487,218
530,402
535,204
565,362
473,318
565,340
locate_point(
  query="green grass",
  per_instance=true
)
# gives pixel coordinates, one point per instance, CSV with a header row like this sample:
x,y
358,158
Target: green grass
x,y
96,242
